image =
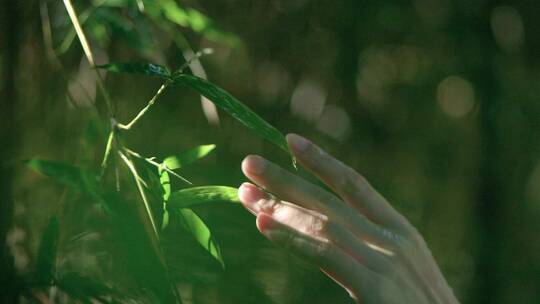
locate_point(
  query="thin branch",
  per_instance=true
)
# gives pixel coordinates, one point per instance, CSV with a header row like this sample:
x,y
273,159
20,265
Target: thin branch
x,y
88,52
195,57
47,35
146,108
107,152
133,170
151,161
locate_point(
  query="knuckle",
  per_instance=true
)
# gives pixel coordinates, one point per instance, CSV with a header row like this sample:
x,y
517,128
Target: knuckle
x,y
269,205
410,236
403,245
318,225
350,183
315,153
324,249
324,197
289,240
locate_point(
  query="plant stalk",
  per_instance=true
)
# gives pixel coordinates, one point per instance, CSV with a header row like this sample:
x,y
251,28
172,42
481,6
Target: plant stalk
x,y
89,55
146,108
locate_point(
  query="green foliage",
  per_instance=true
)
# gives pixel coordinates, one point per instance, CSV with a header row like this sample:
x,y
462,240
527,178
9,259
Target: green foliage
x,y
199,195
192,19
85,289
150,69
217,95
132,211
198,229
46,258
235,108
137,249
66,174
187,157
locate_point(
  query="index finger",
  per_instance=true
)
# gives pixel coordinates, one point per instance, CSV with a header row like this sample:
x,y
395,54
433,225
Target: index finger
x,y
352,187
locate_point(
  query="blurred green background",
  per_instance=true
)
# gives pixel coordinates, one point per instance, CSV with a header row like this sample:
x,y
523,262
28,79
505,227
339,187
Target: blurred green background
x,y
434,101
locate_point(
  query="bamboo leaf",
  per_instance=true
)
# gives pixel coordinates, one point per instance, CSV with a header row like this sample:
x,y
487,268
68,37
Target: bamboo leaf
x,y
165,181
137,252
46,258
204,194
66,174
196,21
150,69
198,229
235,108
187,157
84,288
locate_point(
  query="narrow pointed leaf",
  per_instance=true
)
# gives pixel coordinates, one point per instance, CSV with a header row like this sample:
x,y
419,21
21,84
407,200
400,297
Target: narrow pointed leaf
x,y
196,21
66,174
187,157
46,259
235,108
199,195
84,288
137,248
150,69
196,226
165,181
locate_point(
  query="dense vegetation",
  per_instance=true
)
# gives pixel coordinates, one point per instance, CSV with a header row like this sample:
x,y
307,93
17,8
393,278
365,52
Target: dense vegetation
x,y
435,102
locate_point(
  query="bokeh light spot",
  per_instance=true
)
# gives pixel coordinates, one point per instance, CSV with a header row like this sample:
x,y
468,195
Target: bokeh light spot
x,y
455,96
307,101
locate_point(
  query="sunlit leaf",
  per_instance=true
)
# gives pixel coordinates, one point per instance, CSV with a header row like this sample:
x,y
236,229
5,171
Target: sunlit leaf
x,y
165,181
66,174
46,257
112,3
235,108
196,21
135,31
195,225
150,69
187,157
200,195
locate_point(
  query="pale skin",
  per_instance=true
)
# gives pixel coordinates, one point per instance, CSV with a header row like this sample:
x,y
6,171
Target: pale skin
x,y
354,236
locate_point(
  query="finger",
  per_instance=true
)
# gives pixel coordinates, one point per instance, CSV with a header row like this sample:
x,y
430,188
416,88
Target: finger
x,y
346,182
353,276
314,224
294,189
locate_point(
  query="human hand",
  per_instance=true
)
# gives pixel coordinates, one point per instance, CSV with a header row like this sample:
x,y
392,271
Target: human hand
x,y
357,239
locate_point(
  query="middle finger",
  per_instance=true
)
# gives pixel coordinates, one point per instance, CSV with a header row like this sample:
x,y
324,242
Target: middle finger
x,y
294,189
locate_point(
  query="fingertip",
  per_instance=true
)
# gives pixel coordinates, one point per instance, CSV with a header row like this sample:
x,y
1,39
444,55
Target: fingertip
x,y
265,222
253,164
249,193
297,143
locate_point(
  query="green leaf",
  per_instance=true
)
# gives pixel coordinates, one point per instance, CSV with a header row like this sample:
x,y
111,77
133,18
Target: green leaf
x,y
187,157
137,251
84,288
196,21
165,181
150,69
235,108
46,257
195,225
66,174
112,3
204,194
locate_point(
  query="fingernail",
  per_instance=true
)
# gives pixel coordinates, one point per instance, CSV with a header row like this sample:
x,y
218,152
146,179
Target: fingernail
x,y
298,143
265,223
255,164
248,193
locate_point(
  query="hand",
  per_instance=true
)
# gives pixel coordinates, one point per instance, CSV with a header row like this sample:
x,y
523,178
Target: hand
x,y
357,239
